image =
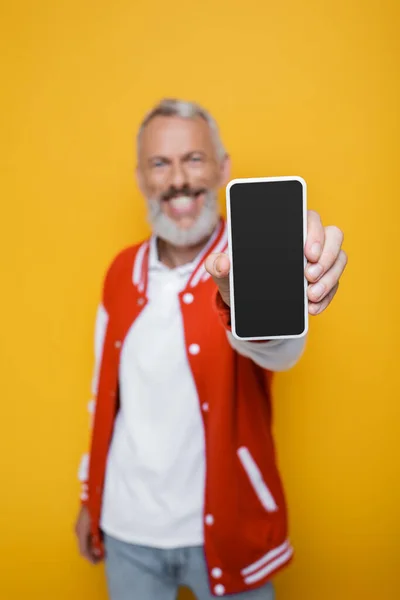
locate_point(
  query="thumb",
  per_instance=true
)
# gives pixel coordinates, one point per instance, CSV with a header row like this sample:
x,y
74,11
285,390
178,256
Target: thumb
x,y
218,266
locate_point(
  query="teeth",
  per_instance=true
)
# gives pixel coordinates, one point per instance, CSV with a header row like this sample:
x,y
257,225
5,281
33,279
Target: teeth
x,y
181,202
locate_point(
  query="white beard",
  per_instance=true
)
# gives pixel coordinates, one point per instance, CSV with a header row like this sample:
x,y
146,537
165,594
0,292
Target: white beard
x,y
169,231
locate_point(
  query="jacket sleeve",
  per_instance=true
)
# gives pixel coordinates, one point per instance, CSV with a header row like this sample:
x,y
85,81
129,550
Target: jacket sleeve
x,y
274,355
99,336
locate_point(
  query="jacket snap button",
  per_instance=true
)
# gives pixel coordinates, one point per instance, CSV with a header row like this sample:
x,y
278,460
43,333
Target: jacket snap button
x,y
216,573
209,520
140,301
118,344
194,349
205,407
219,590
188,298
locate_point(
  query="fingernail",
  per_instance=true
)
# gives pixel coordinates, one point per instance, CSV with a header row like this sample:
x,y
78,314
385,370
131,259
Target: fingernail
x,y
314,309
317,290
216,267
315,271
316,249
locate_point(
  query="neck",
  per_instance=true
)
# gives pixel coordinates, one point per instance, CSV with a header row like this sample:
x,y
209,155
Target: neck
x,y
175,256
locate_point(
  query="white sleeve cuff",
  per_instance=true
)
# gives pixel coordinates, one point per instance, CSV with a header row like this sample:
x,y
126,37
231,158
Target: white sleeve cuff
x,y
274,355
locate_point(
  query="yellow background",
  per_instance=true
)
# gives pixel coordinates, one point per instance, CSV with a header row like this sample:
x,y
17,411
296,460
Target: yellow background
x,y
309,88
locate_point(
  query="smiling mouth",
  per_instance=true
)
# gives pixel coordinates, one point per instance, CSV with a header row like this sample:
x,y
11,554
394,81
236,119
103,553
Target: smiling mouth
x,y
183,205
191,194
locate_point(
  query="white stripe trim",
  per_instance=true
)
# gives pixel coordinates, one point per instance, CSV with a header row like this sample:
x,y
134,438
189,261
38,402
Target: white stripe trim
x,y
138,267
199,273
83,468
223,242
99,338
269,568
265,559
256,479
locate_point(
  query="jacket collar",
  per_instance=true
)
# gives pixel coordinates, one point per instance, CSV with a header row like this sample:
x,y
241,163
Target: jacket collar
x,y
147,254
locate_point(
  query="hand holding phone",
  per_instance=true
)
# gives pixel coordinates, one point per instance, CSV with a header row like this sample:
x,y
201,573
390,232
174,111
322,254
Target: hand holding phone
x,y
267,254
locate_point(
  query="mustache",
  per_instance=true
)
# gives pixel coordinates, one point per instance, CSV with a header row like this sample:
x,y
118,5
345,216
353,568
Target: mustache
x,y
186,190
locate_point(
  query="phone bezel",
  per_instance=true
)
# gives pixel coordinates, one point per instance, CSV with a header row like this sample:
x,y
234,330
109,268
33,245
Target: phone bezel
x,y
250,180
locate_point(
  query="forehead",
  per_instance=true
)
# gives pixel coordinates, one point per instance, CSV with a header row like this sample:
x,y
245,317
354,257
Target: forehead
x,y
176,136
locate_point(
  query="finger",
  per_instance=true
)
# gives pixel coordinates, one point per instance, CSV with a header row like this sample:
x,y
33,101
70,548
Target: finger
x,y
316,308
330,253
218,265
315,237
85,549
96,556
318,291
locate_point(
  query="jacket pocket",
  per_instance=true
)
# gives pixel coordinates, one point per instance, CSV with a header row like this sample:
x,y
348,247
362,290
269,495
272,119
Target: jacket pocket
x,y
256,479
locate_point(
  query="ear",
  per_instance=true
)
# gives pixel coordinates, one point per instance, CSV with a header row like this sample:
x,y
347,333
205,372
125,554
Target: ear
x,y
225,170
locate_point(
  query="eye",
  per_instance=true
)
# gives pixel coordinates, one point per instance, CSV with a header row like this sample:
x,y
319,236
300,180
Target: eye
x,y
158,163
195,158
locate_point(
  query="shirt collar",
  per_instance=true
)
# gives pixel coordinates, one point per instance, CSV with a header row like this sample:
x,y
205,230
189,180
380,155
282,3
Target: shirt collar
x,y
156,265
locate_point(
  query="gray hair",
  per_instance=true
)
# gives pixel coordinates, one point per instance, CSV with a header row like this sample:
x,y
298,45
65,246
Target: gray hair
x,y
171,107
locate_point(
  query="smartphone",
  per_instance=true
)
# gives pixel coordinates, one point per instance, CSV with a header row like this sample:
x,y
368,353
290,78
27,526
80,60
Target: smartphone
x,y
267,228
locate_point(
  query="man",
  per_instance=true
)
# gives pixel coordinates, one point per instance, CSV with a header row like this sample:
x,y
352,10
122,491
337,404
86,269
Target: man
x,y
182,486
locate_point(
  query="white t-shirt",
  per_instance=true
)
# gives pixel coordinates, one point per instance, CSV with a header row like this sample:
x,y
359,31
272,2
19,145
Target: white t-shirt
x,y
155,473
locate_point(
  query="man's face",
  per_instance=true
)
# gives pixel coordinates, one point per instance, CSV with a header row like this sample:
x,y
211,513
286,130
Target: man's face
x,y
179,173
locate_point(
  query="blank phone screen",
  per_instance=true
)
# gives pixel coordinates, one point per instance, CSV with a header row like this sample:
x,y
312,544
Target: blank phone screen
x,y
267,250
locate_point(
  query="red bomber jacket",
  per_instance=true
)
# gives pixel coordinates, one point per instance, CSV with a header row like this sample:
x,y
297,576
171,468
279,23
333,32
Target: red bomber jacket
x,y
245,513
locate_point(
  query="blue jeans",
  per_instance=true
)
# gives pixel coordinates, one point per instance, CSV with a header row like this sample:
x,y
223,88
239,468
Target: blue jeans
x,y
142,573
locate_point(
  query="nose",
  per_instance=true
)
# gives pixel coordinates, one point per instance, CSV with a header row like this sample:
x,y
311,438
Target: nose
x,y
178,176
